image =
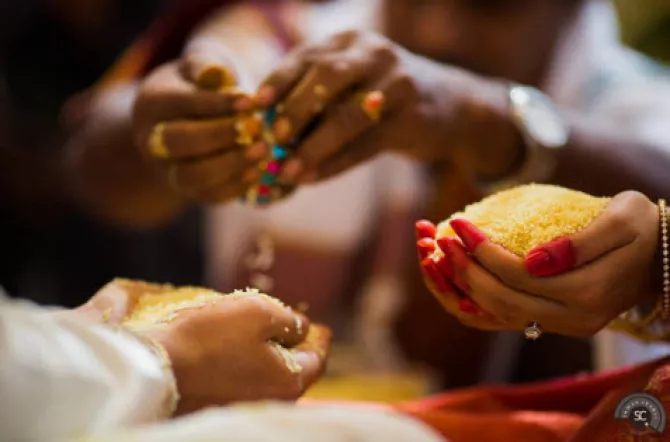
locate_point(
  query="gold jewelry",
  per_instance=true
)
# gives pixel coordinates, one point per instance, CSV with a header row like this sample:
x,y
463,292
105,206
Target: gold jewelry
x,y
372,104
157,146
663,213
248,129
632,322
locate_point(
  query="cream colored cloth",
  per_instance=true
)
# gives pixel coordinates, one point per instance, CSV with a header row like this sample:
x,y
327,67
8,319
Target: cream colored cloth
x,y
62,377
283,423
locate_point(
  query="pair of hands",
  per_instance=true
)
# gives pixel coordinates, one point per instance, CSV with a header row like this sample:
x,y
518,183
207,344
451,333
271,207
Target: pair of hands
x,y
222,353
572,286
207,143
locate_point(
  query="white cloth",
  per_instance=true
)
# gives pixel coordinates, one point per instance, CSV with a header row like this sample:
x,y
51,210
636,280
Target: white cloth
x,y
62,377
284,423
594,73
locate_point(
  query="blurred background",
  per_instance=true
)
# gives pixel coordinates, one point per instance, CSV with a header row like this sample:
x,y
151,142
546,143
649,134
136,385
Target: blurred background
x,y
393,340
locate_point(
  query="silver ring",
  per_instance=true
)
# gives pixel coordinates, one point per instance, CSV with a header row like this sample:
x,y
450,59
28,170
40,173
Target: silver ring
x,y
533,331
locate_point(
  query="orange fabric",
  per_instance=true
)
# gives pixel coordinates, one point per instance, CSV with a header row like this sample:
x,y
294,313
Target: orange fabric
x,y
579,409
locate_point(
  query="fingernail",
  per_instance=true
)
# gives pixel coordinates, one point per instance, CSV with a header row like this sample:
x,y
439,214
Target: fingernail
x,y
265,95
290,171
428,266
256,151
425,229
445,267
282,129
453,248
425,246
243,104
469,307
553,258
469,234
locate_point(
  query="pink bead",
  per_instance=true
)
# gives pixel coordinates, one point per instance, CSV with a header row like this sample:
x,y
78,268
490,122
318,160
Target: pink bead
x,y
274,167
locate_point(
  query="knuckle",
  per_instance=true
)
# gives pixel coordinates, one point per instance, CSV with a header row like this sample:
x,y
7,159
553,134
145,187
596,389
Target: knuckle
x,y
345,38
405,84
383,52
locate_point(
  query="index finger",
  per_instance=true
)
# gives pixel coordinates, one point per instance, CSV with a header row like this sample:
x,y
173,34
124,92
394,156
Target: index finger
x,y
166,95
293,68
312,355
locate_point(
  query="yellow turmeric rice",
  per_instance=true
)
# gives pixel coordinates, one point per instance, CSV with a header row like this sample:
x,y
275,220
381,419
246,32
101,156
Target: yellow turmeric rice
x,y
524,217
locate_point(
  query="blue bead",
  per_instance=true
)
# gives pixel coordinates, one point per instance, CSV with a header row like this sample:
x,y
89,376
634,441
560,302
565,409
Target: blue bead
x,y
279,152
263,199
268,178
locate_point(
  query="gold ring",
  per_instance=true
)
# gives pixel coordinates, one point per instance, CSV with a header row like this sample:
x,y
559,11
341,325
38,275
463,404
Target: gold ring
x,y
248,129
157,147
372,104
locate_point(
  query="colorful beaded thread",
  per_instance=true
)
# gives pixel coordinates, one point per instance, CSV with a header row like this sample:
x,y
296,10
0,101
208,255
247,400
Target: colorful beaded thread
x,y
267,190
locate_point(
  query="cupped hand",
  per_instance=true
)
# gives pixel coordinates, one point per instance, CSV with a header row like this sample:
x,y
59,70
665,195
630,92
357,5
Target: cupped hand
x,y
342,101
224,352
573,285
196,128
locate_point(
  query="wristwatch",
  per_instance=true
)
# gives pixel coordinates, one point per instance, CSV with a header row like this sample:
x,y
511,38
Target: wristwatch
x,y
544,133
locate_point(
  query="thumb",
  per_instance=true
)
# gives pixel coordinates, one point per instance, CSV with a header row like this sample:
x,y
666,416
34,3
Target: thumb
x,y
207,64
614,228
312,355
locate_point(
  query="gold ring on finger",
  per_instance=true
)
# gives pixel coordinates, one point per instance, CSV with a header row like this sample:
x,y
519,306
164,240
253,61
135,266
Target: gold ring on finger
x,y
372,104
157,147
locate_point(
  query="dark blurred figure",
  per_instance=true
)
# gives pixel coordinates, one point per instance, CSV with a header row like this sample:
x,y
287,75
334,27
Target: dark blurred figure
x,y
49,51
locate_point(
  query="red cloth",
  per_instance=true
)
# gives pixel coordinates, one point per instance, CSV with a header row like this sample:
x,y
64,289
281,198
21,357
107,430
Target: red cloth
x,y
577,409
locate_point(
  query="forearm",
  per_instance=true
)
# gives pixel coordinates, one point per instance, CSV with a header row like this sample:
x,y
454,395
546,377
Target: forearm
x,y
599,162
73,377
107,174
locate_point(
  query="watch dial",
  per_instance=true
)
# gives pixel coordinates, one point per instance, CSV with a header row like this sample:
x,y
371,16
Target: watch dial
x,y
541,118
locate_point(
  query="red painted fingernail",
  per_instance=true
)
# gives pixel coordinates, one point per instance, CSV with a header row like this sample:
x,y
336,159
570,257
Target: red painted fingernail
x,y
445,267
425,229
469,234
553,258
469,307
425,246
428,266
454,249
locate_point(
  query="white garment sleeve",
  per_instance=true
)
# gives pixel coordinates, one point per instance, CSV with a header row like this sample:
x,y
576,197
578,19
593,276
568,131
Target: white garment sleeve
x,y
62,377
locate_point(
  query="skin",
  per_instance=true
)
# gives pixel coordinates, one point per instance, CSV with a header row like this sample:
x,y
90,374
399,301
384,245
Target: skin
x,y
220,353
583,282
454,110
